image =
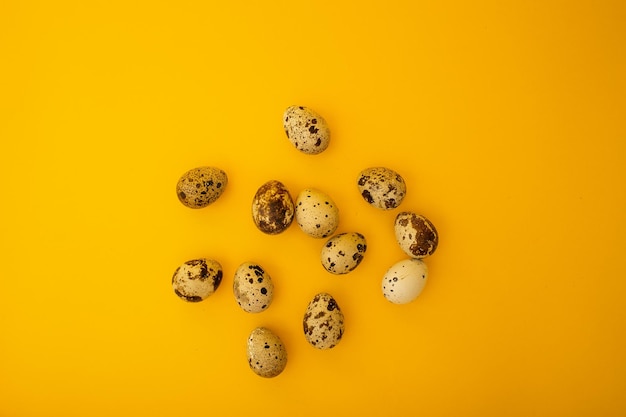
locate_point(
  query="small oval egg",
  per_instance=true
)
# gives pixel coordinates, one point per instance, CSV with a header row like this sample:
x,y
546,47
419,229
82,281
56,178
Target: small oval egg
x,y
316,213
343,253
252,287
323,322
266,353
404,281
197,279
272,208
381,187
306,129
416,235
199,187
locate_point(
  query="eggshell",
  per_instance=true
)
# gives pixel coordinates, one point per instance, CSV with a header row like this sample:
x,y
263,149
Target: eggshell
x,y
316,213
199,187
306,130
342,253
323,322
252,287
404,281
266,353
416,235
197,279
381,187
272,208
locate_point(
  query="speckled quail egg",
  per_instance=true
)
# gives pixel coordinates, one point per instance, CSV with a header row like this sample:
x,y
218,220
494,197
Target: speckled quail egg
x,y
197,279
252,287
381,187
199,187
404,281
306,129
272,208
343,253
323,322
266,353
316,214
416,235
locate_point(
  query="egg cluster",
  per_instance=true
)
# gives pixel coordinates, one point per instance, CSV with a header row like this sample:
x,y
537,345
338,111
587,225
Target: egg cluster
x,y
273,211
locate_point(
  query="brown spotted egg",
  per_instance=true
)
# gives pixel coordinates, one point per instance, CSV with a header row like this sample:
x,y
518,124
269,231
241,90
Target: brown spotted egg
x,y
381,187
306,129
272,208
416,235
199,187
197,279
266,353
343,253
323,322
252,287
316,213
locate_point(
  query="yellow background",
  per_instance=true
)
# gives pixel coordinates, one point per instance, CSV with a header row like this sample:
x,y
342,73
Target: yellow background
x,y
506,119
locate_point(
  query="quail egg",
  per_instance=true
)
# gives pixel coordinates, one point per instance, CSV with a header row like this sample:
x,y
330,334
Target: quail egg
x,y
381,187
316,213
323,322
416,235
266,353
342,253
252,287
197,279
404,281
199,187
272,208
306,129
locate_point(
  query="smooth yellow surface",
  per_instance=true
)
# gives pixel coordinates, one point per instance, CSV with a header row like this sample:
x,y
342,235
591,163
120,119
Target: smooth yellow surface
x,y
506,119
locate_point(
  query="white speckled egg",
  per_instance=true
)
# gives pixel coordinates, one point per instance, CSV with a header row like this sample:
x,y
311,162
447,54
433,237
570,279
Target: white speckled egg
x,y
197,279
267,355
416,235
404,281
381,187
343,253
306,130
316,214
252,287
323,322
272,208
199,187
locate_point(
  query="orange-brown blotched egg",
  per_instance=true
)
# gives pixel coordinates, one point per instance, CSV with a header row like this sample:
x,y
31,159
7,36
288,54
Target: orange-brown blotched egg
x,y
272,208
416,235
